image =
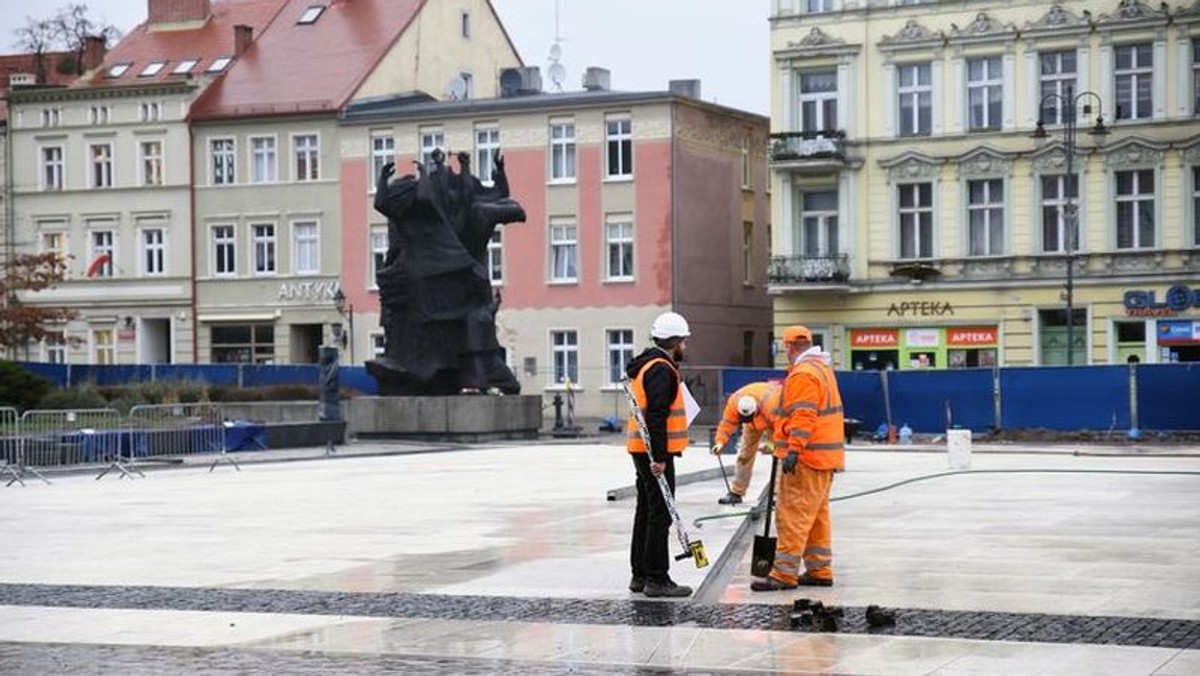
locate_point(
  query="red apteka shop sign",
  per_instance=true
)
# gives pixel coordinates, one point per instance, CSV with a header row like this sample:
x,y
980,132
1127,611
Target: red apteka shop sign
x,y
874,337
970,335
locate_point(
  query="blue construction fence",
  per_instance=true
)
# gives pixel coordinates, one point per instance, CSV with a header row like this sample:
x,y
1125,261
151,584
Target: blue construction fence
x,y
1153,397
353,378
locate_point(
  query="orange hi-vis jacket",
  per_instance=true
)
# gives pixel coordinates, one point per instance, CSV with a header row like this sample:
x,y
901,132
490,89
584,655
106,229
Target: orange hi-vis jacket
x,y
812,422
766,393
677,427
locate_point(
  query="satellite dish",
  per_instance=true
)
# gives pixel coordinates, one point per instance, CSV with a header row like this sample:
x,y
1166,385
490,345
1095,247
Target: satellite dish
x,y
555,52
457,88
510,81
557,74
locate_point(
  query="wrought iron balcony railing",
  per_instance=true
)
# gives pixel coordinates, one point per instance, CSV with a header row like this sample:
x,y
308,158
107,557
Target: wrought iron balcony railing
x,y
820,270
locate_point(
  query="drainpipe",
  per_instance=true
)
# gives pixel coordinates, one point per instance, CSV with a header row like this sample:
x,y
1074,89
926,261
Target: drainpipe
x,y
674,202
192,229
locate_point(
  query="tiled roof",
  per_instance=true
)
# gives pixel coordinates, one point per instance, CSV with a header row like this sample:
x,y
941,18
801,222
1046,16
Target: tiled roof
x,y
146,45
309,68
26,63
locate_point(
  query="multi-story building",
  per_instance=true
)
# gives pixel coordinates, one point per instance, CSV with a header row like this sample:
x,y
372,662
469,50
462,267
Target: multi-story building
x,y
918,224
635,203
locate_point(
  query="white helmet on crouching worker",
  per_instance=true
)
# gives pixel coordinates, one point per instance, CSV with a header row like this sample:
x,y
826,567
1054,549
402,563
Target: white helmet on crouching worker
x,y
747,406
670,325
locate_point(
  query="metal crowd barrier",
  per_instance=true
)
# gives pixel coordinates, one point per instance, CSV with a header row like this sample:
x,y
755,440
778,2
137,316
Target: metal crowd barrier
x,y
178,430
74,437
12,449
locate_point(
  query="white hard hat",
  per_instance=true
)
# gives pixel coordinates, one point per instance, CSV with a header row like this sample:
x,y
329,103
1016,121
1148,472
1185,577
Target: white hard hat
x,y
670,325
747,406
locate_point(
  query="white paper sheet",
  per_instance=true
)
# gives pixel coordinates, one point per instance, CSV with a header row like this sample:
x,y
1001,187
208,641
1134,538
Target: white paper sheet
x,y
689,404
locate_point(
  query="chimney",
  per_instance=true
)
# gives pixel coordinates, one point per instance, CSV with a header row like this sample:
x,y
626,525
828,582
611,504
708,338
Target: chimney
x,y
596,79
177,11
94,49
688,88
242,37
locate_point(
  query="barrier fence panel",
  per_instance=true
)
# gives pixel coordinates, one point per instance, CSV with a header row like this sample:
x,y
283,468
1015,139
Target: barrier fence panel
x,y
924,400
10,445
73,437
862,398
1167,396
1066,398
176,429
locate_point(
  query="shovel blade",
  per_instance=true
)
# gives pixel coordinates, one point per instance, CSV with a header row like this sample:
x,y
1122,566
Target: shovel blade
x,y
763,559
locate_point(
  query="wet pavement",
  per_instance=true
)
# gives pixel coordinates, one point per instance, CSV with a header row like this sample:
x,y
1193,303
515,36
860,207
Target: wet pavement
x,y
511,559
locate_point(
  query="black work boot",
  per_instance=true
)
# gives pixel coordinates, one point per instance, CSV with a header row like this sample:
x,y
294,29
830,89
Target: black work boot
x,y
730,498
637,584
667,589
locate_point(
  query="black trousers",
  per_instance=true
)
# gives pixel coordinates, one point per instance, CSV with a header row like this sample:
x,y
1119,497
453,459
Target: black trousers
x,y
648,556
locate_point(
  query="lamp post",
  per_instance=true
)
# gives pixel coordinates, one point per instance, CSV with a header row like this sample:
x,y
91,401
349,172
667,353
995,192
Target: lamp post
x,y
1068,103
346,310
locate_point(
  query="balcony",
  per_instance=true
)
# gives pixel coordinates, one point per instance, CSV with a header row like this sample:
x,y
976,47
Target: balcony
x,y
809,152
793,273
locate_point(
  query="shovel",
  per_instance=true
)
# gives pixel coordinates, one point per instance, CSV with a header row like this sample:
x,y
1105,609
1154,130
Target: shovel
x,y
763,559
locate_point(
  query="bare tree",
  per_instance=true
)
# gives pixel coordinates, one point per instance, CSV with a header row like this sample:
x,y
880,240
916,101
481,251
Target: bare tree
x,y
72,26
36,37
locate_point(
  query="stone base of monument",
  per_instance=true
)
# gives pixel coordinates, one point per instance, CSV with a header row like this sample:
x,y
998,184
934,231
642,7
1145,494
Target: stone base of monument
x,y
463,418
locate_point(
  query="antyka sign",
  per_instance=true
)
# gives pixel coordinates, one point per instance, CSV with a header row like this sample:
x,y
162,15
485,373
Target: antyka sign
x,y
874,337
313,291
971,335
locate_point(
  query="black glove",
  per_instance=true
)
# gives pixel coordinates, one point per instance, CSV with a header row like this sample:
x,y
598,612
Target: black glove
x,y
789,462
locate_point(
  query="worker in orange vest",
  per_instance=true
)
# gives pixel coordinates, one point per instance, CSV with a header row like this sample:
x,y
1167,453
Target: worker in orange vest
x,y
812,449
755,407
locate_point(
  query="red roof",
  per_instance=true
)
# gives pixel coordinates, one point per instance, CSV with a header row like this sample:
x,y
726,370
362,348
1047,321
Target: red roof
x,y
309,68
27,63
210,41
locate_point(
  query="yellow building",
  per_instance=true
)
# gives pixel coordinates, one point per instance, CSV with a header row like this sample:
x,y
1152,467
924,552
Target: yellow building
x,y
919,223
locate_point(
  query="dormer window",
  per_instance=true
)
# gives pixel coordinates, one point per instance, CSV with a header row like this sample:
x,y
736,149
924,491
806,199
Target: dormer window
x,y
311,15
119,69
152,69
184,67
219,65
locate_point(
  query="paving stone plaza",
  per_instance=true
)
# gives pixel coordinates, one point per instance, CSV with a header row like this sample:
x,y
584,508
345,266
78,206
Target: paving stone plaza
x,y
390,558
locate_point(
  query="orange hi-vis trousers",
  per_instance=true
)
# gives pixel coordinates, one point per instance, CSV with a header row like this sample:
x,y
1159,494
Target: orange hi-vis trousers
x,y
802,521
747,451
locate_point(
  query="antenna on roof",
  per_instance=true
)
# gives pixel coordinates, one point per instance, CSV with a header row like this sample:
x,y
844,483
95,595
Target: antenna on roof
x,y
556,71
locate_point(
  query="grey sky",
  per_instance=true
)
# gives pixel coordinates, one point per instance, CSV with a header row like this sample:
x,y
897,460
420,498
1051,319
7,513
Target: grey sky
x,y
644,43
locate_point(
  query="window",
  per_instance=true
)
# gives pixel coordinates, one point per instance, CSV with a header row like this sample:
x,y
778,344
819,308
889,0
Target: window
x,y
383,151
51,117
102,164
747,253
219,64
495,258
103,347
54,242
263,159
985,217
153,68
915,99
819,224
306,149
378,345
1057,83
1059,226
263,236
379,250
100,262
818,6
565,348
224,250
985,93
184,67
916,220
223,158
818,101
99,115
152,162
618,235
306,255
1195,206
54,348
1134,79
151,111
468,85
563,251
465,25
52,168
747,173
243,343
311,15
1196,77
1135,209
431,139
154,249
487,149
117,70
620,353
562,151
619,146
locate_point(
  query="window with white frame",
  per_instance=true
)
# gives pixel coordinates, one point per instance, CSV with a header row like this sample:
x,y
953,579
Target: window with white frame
x,y
916,220
618,144
378,345
1133,76
383,152
985,217
620,353
818,6
150,111
219,64
153,68
379,250
306,149
818,101
564,346
747,252
55,242
468,84
52,168
51,117
224,251
487,149
1059,225
495,258
54,348
100,260
1135,209
1195,206
618,236
1196,76
154,252
1057,83
222,160
985,93
103,347
264,159
152,162
915,98
562,151
564,250
431,140
747,171
101,155
306,254
99,115
262,237
819,224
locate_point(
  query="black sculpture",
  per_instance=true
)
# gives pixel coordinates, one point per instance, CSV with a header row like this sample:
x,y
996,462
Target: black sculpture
x,y
438,312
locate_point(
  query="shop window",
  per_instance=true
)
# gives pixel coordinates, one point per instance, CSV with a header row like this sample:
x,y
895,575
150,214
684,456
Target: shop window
x,y
243,343
966,358
1131,342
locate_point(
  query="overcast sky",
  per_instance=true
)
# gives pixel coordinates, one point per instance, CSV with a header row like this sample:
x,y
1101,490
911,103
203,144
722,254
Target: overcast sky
x,y
644,43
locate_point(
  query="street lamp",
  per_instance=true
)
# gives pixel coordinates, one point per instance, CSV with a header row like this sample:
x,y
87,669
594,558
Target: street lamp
x,y
1068,103
346,310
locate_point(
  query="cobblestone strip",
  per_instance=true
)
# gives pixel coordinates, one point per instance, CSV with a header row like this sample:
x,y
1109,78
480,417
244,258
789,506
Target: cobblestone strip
x,y
987,626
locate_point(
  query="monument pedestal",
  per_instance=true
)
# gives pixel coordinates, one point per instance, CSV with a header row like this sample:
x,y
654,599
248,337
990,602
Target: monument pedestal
x,y
463,418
